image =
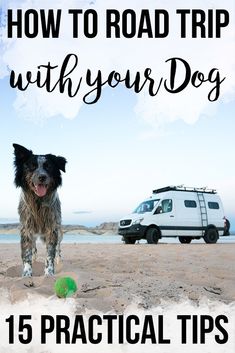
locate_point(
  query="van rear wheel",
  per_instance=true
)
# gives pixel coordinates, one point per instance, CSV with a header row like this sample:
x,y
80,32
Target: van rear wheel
x,y
227,227
152,236
211,236
185,240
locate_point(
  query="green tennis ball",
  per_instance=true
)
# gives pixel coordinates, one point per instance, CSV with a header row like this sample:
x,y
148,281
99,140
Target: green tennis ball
x,y
65,287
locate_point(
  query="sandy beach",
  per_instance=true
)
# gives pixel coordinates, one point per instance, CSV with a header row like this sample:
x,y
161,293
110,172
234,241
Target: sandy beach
x,y
110,277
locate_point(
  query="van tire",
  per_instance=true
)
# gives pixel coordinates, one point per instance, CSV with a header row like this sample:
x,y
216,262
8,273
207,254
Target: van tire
x,y
185,240
211,236
129,241
152,236
227,227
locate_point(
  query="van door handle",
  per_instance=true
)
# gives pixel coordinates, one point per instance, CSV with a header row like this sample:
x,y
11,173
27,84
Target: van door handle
x,y
172,215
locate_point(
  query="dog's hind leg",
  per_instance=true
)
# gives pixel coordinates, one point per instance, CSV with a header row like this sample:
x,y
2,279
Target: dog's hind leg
x,y
26,253
34,251
51,242
58,250
58,254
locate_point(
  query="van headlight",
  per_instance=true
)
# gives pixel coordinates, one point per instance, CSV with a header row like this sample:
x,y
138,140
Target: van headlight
x,y
138,221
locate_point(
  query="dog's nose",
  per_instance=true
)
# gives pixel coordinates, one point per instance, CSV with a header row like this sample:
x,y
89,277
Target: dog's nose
x,y
42,178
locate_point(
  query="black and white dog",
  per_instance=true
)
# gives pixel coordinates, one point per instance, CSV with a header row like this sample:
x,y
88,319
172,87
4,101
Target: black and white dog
x,y
40,213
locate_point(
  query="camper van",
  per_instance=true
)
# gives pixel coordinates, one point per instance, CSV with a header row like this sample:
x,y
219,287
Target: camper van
x,y
176,211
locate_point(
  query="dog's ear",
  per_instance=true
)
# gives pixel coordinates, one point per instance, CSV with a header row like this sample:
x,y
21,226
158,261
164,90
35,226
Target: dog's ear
x,y
21,153
60,162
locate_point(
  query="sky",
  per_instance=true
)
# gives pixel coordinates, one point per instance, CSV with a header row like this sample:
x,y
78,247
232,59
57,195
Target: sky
x,y
127,144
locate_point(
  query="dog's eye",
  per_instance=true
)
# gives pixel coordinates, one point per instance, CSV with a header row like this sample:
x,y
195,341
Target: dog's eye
x,y
46,166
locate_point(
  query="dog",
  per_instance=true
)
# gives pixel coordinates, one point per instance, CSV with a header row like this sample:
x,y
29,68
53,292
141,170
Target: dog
x,y
39,209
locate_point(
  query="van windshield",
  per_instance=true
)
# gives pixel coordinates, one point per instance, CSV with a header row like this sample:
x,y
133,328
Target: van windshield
x,y
146,206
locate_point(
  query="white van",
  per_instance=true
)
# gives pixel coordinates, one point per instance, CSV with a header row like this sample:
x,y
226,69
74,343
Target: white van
x,y
176,211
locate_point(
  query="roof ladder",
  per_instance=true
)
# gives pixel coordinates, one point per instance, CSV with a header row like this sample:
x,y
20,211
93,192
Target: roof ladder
x,y
203,210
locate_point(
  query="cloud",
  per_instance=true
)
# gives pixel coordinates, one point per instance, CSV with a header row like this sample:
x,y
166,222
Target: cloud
x,y
82,212
134,54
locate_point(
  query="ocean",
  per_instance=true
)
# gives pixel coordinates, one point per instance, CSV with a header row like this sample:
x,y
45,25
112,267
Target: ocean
x,y
105,239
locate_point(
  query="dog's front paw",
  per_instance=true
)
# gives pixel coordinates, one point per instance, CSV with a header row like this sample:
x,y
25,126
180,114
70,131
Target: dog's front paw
x,y
27,271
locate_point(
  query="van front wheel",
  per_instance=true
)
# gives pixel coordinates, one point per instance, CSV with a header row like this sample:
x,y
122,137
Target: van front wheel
x,y
129,241
152,236
185,240
211,236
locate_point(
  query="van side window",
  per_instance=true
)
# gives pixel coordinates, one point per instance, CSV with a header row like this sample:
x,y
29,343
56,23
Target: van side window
x,y
164,206
213,205
190,203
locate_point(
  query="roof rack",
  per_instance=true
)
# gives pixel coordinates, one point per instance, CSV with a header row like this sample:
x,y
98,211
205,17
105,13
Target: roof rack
x,y
185,188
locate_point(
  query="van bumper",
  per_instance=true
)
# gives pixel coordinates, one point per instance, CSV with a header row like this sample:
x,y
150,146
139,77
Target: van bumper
x,y
136,231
